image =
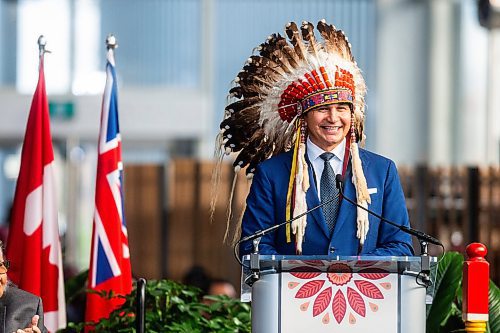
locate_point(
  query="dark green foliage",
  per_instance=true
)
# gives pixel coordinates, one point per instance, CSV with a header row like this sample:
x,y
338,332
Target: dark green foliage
x,y
173,307
448,280
494,308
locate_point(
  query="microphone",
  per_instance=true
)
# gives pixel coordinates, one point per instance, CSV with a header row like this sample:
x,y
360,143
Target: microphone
x,y
419,234
263,232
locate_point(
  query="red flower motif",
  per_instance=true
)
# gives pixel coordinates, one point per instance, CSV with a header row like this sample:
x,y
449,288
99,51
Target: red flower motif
x,y
356,302
322,301
373,273
365,263
339,306
352,292
309,288
339,274
314,262
368,289
305,272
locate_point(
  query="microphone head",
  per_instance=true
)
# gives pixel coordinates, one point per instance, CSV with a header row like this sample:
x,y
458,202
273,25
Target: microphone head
x,y
338,181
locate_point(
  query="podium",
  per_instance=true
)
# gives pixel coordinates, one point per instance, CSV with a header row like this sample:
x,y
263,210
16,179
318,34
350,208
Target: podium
x,y
335,293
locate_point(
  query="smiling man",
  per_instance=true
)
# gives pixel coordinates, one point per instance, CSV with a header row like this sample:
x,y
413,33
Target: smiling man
x,y
295,117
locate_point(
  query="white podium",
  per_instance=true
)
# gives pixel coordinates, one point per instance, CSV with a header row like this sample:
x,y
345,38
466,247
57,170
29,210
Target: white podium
x,y
335,294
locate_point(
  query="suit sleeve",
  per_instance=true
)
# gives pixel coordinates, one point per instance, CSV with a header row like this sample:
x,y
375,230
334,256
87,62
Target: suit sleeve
x,y
39,312
391,241
259,214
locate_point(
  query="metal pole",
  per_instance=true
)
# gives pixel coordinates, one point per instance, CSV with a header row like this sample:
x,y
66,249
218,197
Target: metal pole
x,y
111,45
473,204
140,304
42,42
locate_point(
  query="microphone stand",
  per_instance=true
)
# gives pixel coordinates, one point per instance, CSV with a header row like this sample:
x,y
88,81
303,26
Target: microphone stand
x,y
423,238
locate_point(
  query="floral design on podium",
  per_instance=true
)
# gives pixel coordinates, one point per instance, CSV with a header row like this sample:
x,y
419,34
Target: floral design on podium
x,y
339,294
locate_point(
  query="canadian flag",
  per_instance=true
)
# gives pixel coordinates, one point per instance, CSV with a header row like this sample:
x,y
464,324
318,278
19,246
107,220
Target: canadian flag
x,y
33,246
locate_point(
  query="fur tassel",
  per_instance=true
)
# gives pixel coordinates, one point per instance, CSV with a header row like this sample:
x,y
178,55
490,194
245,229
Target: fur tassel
x,y
301,187
359,176
363,197
362,223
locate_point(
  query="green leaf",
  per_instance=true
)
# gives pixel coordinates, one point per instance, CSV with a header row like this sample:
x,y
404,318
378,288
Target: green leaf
x,y
448,279
494,308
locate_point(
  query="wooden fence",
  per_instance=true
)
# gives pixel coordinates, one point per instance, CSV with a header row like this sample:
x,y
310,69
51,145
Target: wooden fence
x,y
167,210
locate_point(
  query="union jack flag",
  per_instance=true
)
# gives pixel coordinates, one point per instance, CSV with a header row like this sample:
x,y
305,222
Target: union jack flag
x,y
110,259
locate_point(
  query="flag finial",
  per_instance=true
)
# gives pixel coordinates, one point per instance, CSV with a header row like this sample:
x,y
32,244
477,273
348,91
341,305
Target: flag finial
x,y
111,42
41,45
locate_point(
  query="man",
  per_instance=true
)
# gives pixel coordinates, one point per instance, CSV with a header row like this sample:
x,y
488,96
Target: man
x,y
295,124
18,308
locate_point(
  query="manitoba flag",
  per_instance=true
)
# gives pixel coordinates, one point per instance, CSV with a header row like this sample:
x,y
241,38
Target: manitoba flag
x,y
33,245
110,260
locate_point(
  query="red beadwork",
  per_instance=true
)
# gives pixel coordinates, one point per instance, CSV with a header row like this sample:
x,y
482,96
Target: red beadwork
x,y
307,86
299,87
318,79
325,77
311,81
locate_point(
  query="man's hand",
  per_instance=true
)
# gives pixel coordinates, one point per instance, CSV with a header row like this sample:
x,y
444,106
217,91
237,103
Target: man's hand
x,y
33,327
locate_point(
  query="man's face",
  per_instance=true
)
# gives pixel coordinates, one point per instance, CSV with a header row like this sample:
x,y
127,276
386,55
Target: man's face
x,y
3,276
328,125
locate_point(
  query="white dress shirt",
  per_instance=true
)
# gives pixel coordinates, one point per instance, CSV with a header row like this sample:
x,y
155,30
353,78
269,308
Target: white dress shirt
x,y
313,153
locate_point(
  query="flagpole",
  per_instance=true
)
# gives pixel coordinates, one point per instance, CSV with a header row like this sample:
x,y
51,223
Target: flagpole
x,y
41,45
111,42
111,45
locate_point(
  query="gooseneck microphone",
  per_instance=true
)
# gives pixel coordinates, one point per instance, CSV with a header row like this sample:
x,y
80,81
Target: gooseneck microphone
x,y
263,232
255,237
419,234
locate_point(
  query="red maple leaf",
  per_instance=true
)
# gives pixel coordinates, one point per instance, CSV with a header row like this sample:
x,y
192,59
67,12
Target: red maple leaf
x,y
322,301
309,289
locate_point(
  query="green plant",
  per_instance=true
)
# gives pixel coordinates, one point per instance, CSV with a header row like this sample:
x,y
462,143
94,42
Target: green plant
x,y
445,313
173,307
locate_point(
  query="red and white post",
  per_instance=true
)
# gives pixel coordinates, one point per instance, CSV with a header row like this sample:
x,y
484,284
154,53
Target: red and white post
x,y
475,284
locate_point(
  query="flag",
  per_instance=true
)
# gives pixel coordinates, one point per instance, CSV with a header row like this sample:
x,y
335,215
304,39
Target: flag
x,y
33,246
109,260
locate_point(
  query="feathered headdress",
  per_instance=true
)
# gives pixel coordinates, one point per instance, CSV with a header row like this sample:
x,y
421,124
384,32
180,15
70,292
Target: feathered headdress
x,y
270,95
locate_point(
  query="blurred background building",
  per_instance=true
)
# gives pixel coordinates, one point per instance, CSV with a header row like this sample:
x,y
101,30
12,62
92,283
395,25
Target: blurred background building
x,y
432,70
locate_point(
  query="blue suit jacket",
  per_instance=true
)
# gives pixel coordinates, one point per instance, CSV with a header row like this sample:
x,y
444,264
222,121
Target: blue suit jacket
x,y
266,204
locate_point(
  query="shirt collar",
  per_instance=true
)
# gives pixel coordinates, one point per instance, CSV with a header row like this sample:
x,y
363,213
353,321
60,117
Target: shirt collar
x,y
314,151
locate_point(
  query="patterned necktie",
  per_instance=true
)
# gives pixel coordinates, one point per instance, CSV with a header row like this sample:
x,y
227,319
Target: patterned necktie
x,y
328,191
